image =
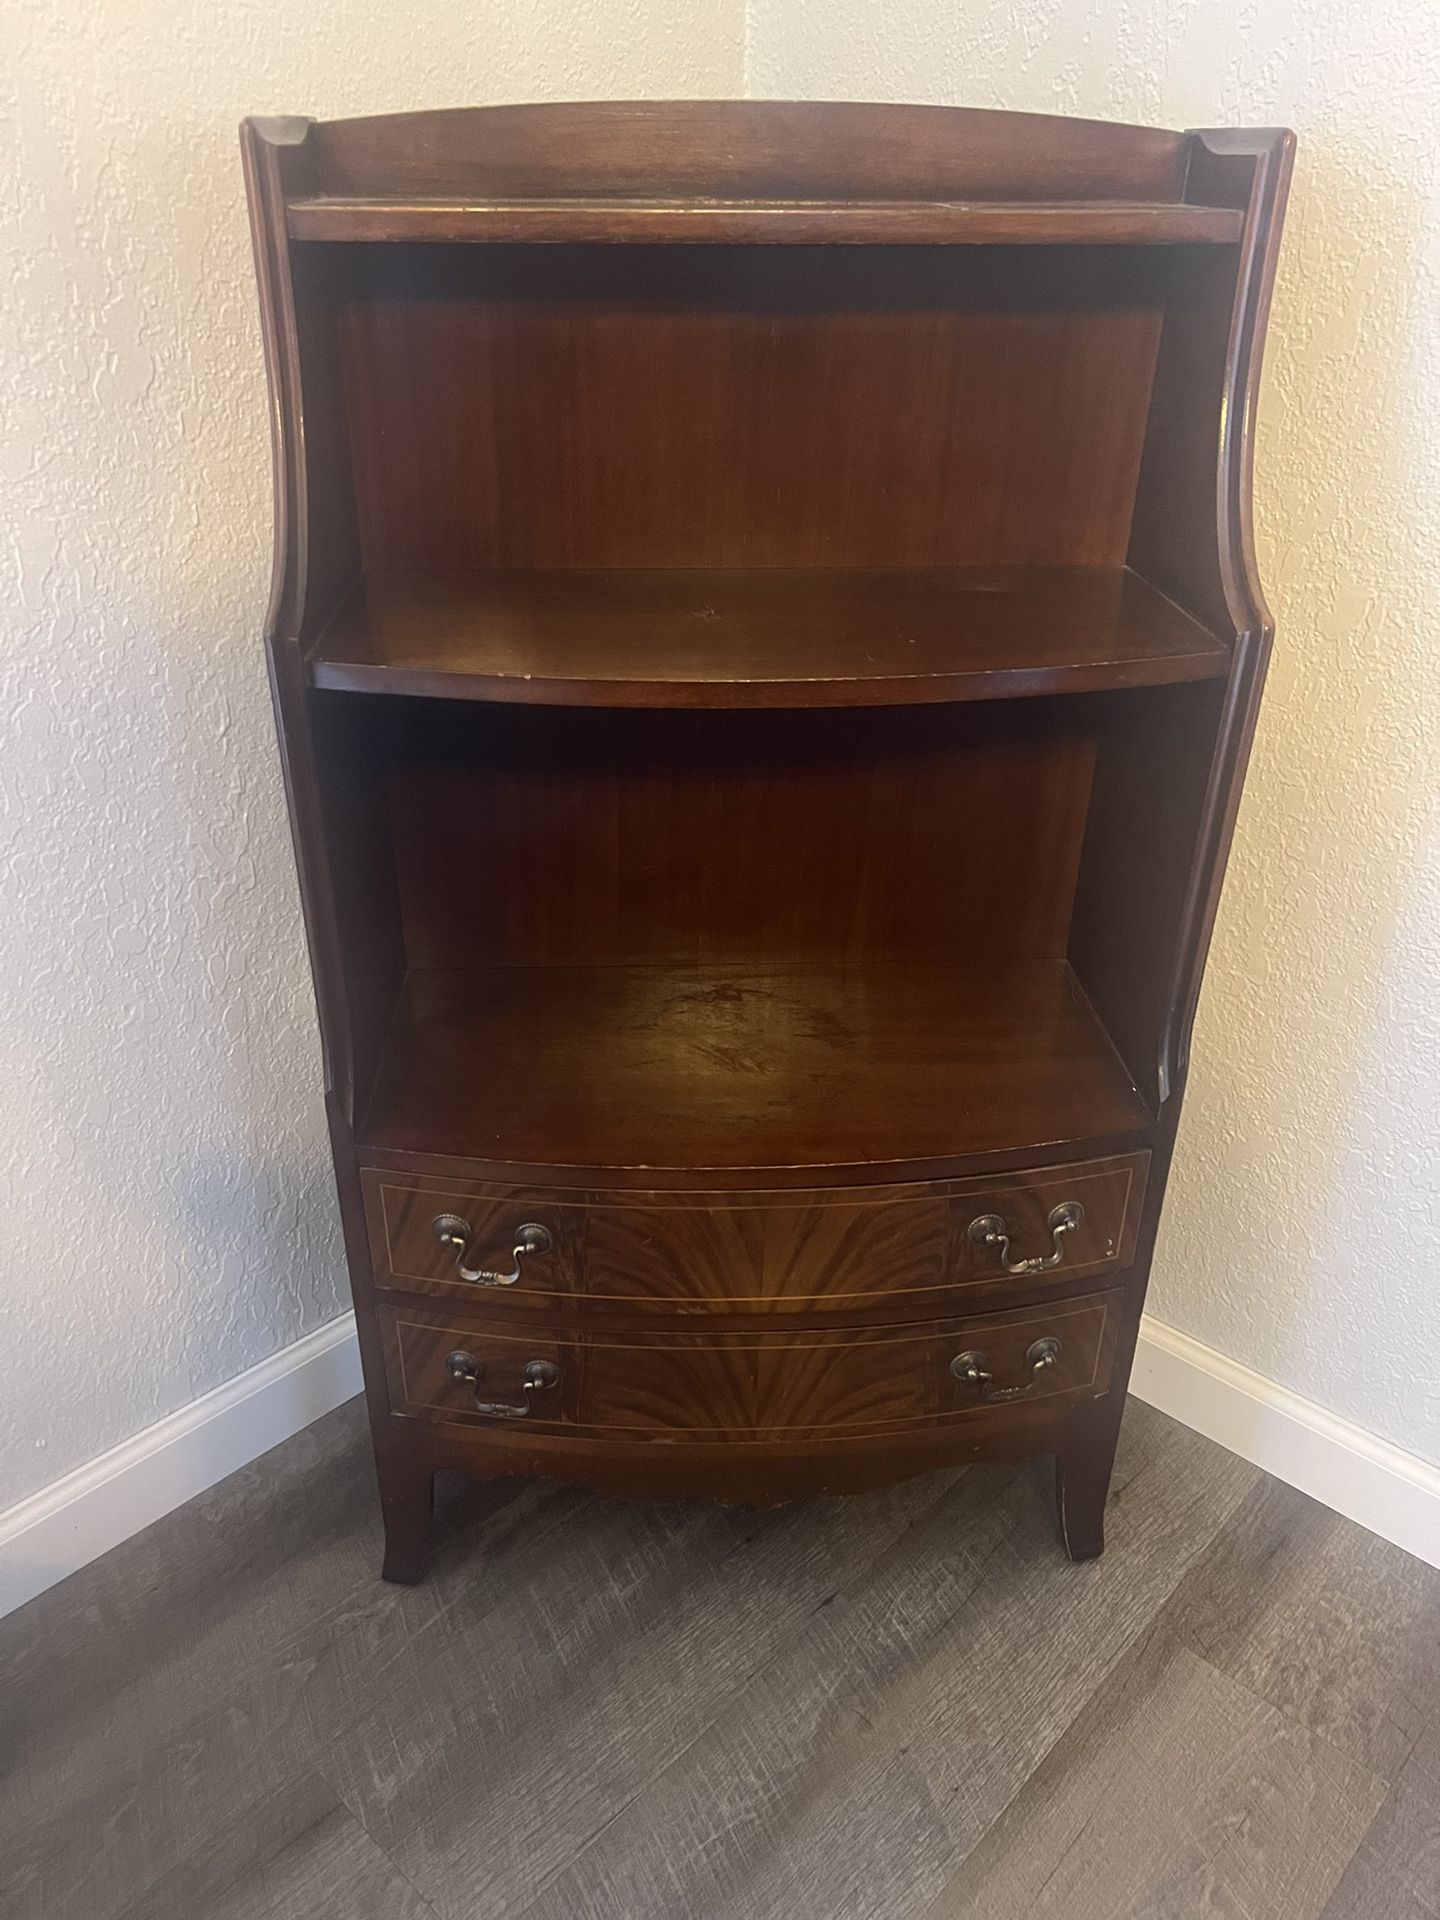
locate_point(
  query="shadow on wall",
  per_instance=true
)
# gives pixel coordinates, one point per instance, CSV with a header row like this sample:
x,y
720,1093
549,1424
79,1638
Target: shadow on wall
x,y
166,1135
1300,1230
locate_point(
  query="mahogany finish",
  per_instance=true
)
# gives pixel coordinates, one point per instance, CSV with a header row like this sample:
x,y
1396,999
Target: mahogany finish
x,y
710,222
707,149
731,637
745,407
509,825
908,1066
764,679
750,1386
903,1248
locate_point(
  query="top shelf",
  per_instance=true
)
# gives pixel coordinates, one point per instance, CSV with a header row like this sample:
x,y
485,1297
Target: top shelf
x,y
907,222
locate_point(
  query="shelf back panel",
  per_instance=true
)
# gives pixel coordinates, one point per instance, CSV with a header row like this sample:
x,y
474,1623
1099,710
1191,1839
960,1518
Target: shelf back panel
x,y
746,406
534,836
751,148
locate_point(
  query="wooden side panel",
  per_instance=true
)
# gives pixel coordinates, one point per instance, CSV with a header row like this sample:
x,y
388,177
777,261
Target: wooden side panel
x,y
316,530
350,742
1193,537
550,837
748,407
1153,773
1175,539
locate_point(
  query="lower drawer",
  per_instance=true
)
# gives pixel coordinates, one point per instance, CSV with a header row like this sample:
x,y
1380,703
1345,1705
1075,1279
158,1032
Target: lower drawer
x,y
667,1385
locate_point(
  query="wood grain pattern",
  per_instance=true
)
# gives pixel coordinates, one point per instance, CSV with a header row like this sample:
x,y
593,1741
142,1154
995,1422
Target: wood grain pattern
x,y
496,1751
747,1716
906,1067
1335,1628
784,149
747,407
544,837
747,1386
329,1870
729,637
647,220
1184,1794
1147,802
857,1770
903,1247
1395,1872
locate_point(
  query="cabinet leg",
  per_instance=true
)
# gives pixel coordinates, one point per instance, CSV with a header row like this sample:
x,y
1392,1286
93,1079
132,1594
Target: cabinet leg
x,y
407,1501
1082,1481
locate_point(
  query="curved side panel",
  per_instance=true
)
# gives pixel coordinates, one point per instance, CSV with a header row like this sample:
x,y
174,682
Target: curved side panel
x,y
316,553
1250,169
1167,783
276,157
316,533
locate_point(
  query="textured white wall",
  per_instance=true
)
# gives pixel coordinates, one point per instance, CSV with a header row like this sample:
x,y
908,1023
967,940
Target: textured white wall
x,y
1303,1231
167,1217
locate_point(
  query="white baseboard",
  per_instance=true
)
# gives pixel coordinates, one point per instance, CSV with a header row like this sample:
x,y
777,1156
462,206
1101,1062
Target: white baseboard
x,y
1370,1481
65,1526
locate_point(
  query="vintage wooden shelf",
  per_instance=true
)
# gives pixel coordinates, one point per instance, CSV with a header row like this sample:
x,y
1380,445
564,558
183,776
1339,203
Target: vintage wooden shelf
x,y
652,222
762,722
731,637
623,1069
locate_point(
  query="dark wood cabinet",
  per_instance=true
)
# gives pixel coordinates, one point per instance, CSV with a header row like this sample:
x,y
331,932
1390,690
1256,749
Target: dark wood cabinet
x,y
766,642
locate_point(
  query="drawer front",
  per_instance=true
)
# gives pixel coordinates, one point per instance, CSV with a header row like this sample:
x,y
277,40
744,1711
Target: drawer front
x,y
748,1386
406,1217
1051,1223
846,1249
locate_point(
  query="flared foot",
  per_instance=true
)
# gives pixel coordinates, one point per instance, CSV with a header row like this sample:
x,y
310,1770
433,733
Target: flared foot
x,y
407,1501
1082,1483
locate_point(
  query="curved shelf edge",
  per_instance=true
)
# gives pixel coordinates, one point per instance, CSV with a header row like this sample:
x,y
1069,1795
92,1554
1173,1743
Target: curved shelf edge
x,y
565,1177
717,638
703,221
805,1075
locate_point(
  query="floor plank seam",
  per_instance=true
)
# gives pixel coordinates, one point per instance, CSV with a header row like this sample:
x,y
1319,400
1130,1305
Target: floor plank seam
x,y
981,1566
912,1711
548,1880
136,1908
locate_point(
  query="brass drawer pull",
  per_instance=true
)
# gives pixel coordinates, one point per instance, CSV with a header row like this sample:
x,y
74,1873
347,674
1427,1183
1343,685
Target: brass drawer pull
x,y
989,1231
1041,1356
539,1377
451,1231
970,1367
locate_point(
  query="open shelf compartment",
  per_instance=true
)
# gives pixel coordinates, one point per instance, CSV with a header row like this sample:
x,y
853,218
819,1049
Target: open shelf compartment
x,y
762,684
876,1066
612,938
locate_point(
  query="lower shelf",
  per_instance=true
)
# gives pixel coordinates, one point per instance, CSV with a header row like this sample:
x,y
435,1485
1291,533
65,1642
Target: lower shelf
x,y
606,1071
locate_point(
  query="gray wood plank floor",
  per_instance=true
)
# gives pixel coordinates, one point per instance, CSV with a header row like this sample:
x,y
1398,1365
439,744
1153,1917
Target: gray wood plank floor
x,y
907,1705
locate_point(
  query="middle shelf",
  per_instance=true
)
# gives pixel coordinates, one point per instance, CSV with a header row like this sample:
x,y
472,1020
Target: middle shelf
x,y
737,637
861,1070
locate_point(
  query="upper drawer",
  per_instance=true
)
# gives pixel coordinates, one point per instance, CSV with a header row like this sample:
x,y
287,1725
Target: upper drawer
x,y
842,1249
